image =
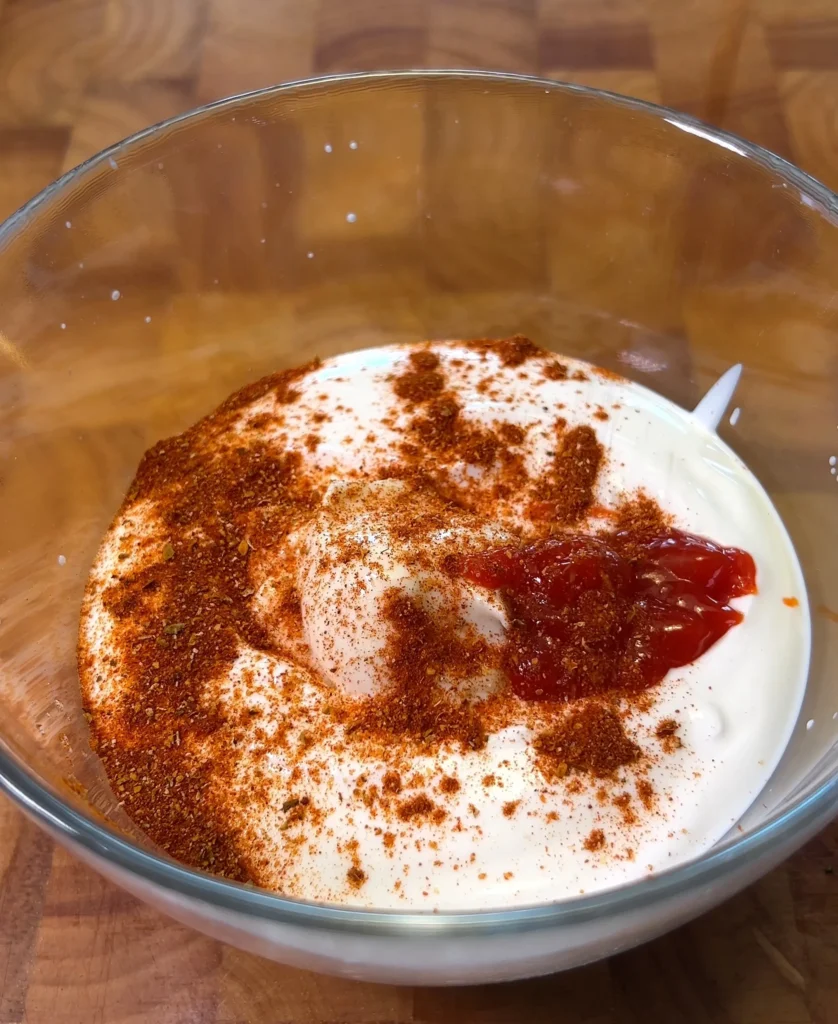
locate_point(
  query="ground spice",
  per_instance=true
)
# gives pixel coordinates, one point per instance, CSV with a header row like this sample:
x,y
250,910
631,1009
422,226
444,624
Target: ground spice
x,y
667,733
565,493
590,739
635,522
511,433
623,803
421,649
423,380
609,375
279,384
646,792
179,624
419,806
595,841
444,430
554,370
439,434
511,352
356,877
392,782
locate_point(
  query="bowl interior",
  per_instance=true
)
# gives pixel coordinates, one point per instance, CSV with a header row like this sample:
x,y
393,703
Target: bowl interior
x,y
153,281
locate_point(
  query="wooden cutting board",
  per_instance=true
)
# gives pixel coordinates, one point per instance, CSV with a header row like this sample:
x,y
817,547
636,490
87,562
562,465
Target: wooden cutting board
x,y
77,75
76,950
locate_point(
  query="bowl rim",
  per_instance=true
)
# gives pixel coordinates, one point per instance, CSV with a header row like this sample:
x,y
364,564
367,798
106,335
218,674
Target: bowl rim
x,y
60,818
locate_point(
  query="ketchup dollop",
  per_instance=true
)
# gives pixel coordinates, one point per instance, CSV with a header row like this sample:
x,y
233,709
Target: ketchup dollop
x,y
590,615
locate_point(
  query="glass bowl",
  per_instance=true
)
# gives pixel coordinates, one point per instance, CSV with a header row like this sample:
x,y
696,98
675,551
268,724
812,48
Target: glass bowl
x,y
144,286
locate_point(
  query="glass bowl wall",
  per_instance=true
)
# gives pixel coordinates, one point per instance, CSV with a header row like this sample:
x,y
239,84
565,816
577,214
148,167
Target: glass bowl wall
x,y
146,285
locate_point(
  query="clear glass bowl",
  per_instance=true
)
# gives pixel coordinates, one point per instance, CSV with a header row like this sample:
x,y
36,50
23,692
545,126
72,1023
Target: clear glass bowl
x,y
147,284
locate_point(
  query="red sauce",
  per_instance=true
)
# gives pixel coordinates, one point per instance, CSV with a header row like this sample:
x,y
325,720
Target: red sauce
x,y
590,615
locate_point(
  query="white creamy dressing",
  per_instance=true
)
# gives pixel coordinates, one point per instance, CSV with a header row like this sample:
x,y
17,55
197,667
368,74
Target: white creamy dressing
x,y
343,623
736,706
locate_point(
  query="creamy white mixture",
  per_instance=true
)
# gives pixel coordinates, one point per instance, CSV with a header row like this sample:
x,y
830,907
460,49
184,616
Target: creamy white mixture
x,y
736,706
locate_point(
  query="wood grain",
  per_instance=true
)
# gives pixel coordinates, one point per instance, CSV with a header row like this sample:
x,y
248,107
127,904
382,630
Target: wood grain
x,y
77,75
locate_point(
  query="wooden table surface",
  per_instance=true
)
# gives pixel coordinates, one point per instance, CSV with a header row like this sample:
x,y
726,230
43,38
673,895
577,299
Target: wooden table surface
x,y
77,75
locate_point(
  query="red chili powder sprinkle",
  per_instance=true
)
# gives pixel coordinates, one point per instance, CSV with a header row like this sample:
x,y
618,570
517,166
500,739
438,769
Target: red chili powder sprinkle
x,y
512,433
646,792
606,374
511,351
623,803
510,807
179,624
591,740
635,523
423,380
419,806
356,877
420,648
566,492
392,782
555,370
444,429
595,841
667,733
790,602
